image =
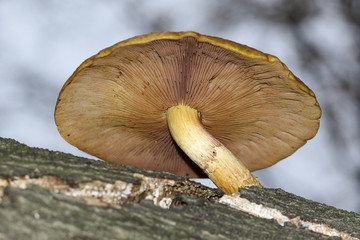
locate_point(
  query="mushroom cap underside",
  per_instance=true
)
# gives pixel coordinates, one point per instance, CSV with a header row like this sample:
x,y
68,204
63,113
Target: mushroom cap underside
x,y
114,105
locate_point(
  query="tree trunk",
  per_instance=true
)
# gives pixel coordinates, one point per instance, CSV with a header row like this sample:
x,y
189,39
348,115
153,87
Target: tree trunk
x,y
53,195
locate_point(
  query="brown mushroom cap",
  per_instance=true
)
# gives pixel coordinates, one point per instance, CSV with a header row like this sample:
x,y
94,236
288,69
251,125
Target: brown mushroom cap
x,y
114,105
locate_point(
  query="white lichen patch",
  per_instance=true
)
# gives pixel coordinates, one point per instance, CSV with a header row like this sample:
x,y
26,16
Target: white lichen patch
x,y
165,202
99,193
156,189
3,184
326,230
259,210
20,182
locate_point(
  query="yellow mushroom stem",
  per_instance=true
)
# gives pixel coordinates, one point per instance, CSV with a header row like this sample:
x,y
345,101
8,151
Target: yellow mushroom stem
x,y
218,162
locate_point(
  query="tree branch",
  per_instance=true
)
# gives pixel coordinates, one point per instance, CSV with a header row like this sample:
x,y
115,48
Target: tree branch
x,y
53,195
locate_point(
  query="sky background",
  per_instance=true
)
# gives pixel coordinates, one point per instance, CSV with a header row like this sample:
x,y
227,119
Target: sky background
x,y
43,41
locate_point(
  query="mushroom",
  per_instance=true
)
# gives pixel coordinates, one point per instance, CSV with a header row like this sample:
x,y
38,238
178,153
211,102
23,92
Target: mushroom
x,y
148,100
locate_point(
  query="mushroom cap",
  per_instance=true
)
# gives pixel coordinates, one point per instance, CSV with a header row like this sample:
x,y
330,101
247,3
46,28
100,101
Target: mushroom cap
x,y
114,105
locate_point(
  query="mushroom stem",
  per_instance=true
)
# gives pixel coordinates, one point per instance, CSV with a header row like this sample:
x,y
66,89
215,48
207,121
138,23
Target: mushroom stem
x,y
218,162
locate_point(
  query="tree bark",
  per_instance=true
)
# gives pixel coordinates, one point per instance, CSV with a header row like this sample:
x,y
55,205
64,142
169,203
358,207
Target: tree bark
x,y
53,195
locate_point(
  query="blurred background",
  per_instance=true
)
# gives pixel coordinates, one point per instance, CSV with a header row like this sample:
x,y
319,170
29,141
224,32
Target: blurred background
x,y
43,41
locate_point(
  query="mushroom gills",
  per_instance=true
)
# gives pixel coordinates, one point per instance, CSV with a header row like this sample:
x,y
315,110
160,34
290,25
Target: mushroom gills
x,y
220,164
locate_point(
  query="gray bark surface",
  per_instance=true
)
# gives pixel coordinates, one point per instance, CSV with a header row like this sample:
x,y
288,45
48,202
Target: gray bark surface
x,y
40,199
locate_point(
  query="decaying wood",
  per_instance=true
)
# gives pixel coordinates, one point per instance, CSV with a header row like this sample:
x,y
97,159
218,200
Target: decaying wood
x,y
53,195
